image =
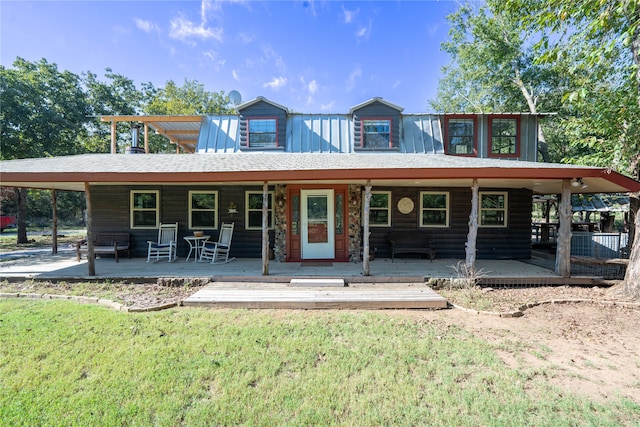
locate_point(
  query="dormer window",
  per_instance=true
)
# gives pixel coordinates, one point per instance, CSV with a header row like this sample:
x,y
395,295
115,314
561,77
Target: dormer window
x,y
460,136
263,133
504,141
376,133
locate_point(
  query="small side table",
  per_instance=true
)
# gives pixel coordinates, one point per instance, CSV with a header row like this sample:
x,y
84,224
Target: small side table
x,y
195,246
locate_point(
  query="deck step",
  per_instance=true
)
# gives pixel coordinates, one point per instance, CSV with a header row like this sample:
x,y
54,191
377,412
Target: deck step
x,y
320,282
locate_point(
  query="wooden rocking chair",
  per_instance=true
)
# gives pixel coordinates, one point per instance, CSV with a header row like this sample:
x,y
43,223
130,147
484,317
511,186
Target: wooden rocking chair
x,y
166,245
218,252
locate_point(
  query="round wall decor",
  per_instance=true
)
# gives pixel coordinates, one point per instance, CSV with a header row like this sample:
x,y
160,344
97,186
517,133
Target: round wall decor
x,y
405,205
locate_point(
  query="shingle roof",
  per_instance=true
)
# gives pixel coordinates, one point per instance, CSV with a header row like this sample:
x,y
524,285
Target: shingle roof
x,y
71,172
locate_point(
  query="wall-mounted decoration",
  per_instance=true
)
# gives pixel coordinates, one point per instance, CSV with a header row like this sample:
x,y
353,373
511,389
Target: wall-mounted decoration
x,y
405,205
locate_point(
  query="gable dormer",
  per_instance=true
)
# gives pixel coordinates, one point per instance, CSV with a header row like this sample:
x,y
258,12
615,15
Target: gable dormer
x,y
376,125
263,125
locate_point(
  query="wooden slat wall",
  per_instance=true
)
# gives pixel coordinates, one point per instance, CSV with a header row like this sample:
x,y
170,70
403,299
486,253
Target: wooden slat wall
x,y
513,242
111,213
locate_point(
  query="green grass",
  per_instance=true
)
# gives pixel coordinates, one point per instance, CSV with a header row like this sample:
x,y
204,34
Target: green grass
x,y
8,241
63,363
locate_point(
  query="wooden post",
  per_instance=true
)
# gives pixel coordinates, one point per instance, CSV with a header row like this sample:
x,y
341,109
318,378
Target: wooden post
x,y
91,260
365,229
114,134
146,138
265,229
472,237
563,249
54,222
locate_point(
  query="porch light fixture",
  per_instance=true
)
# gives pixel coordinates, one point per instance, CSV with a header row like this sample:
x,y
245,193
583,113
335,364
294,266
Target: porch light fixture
x,y
233,208
578,182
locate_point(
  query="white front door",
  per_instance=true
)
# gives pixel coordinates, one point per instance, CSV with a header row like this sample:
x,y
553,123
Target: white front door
x,y
318,228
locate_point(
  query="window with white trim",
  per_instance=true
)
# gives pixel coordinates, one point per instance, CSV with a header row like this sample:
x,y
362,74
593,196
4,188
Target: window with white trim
x,y
376,133
434,209
253,213
493,208
379,209
203,210
145,208
263,133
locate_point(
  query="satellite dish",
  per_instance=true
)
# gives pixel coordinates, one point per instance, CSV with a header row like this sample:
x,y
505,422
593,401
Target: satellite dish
x,y
235,97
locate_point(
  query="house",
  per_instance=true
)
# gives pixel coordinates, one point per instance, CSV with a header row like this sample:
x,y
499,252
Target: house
x,y
320,173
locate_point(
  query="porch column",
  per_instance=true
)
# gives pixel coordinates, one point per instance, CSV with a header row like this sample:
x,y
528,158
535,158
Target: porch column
x,y
365,229
91,260
563,248
472,237
54,222
114,134
265,229
146,138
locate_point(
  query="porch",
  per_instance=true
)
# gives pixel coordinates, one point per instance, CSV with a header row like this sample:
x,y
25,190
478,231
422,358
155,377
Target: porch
x,y
403,284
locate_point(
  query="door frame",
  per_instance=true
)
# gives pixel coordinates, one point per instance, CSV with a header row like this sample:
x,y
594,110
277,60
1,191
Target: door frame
x,y
341,235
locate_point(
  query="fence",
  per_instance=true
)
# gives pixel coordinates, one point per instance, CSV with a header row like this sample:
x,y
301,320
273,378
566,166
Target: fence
x,y
600,246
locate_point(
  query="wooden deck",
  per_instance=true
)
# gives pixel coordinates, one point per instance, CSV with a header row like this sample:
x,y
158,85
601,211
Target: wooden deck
x,y
282,295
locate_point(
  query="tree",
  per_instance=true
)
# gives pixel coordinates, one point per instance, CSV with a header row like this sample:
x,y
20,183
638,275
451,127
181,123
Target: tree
x,y
190,99
43,113
607,33
116,96
493,66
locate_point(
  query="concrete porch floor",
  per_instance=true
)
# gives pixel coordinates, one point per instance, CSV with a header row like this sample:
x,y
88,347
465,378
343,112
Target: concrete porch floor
x,y
240,283
65,267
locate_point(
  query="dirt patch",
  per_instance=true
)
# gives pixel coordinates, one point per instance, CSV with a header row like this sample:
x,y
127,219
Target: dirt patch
x,y
590,348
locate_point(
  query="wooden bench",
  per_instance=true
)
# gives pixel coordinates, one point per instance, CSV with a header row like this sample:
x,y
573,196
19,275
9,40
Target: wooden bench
x,y
414,242
105,243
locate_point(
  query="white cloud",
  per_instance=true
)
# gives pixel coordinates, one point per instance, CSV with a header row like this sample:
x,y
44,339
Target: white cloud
x,y
312,87
364,32
355,75
146,26
329,106
277,83
235,76
183,29
246,38
397,83
348,15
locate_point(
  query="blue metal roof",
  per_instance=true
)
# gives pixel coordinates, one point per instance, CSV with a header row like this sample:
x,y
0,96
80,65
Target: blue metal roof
x,y
322,133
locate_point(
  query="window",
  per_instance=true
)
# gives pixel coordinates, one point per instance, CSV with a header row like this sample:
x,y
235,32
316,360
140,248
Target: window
x,y
504,137
203,208
461,136
376,133
145,212
493,209
434,209
253,218
379,209
263,133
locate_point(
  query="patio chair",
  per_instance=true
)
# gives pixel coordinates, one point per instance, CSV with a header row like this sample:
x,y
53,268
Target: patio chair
x,y
219,251
167,243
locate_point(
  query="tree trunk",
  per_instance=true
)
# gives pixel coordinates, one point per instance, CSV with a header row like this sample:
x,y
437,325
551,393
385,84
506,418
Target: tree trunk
x,y
365,229
473,229
631,284
543,149
21,201
54,222
563,250
265,229
91,259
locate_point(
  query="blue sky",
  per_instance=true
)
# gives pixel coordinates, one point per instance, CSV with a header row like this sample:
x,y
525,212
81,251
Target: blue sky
x,y
311,56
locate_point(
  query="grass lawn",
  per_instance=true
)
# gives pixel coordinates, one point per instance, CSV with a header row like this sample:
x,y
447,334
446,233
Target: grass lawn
x,y
64,363
39,240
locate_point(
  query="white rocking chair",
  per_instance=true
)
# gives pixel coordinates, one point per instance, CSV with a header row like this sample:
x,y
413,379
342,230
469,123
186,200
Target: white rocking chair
x,y
218,252
167,243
